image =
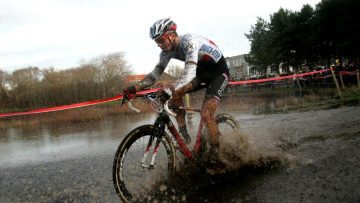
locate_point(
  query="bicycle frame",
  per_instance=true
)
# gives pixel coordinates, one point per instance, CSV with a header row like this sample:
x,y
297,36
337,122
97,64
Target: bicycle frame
x,y
163,120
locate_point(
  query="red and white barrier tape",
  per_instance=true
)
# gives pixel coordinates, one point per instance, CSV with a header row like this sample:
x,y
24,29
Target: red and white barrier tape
x,y
277,78
59,108
95,102
72,106
347,73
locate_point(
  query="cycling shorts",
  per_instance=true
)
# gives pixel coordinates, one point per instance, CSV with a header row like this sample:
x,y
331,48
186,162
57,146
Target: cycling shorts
x,y
214,87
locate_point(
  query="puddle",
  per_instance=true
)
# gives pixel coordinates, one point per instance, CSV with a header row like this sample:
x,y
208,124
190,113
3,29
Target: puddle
x,y
20,146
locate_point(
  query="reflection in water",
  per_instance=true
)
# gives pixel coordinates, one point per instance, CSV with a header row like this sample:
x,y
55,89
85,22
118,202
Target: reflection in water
x,y
33,144
30,145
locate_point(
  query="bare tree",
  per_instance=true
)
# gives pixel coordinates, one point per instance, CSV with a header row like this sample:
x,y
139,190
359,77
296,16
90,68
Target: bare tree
x,y
24,85
31,87
4,95
112,69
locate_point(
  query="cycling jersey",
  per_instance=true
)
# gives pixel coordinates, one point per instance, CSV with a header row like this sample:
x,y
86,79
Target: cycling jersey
x,y
193,49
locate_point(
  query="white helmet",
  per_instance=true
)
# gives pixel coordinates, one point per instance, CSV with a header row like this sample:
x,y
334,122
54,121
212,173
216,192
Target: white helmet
x,y
162,26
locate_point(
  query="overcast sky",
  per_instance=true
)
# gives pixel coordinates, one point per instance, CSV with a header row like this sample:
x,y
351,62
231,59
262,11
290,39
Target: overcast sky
x,y
60,33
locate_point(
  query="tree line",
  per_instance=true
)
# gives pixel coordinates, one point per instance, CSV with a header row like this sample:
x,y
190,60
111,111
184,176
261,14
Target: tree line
x,y
326,35
32,87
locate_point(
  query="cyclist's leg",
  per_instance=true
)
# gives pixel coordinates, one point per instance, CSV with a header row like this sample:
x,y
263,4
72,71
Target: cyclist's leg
x,y
178,101
180,119
207,114
211,102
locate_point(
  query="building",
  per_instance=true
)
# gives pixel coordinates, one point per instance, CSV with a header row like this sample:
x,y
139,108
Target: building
x,y
131,79
239,68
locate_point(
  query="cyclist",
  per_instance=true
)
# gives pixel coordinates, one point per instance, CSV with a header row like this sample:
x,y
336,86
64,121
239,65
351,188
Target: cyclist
x,y
205,67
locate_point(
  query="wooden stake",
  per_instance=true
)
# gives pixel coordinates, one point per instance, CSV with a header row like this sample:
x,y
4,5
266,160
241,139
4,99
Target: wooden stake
x,y
298,83
187,100
358,78
187,104
336,83
342,82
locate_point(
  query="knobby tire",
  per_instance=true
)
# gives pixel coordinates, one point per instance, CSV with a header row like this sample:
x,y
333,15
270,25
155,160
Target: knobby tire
x,y
131,181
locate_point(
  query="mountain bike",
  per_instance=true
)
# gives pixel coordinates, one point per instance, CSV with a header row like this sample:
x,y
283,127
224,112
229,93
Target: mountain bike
x,y
147,155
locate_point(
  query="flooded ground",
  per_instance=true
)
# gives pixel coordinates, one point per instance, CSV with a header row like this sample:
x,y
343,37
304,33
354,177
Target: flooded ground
x,y
308,156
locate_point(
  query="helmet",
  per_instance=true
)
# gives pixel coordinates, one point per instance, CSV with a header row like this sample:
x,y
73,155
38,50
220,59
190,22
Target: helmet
x,y
161,26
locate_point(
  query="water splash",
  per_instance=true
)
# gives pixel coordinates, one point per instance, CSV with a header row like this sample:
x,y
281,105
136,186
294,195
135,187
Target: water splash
x,y
239,150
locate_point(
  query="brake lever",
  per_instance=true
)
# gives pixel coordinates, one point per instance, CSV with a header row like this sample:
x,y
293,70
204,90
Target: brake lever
x,y
123,101
130,106
133,108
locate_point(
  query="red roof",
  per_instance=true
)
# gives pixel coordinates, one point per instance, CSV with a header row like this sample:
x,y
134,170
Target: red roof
x,y
134,78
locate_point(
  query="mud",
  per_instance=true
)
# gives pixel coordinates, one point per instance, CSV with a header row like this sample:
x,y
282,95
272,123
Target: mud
x,y
308,156
298,157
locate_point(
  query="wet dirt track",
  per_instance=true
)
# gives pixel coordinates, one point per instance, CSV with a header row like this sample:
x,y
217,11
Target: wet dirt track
x,y
321,164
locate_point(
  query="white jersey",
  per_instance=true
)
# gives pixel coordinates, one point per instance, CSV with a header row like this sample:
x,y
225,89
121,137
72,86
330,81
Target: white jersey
x,y
195,49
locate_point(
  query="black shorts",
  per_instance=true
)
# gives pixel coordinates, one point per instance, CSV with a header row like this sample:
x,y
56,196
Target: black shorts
x,y
214,87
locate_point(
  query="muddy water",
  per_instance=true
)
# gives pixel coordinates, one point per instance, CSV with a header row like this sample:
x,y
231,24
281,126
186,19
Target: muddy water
x,y
306,156
66,162
56,143
310,156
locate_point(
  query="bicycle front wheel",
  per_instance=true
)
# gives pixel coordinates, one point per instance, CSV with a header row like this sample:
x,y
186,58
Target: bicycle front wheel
x,y
139,167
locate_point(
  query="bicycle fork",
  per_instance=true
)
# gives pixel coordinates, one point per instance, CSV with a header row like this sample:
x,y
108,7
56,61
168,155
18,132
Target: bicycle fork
x,y
147,151
158,132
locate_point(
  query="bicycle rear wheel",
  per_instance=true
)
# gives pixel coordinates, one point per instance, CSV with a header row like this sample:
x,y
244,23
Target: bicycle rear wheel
x,y
227,124
233,144
133,180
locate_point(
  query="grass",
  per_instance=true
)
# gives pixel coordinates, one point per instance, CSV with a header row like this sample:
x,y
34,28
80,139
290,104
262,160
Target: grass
x,y
351,95
311,99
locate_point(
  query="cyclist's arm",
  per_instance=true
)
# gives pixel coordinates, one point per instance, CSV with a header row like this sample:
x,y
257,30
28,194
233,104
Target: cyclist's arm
x,y
151,77
154,75
191,58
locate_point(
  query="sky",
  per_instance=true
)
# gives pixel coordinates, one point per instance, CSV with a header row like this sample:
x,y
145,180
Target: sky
x,y
62,33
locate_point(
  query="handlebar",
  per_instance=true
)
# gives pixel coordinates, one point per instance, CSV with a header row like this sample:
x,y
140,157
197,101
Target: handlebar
x,y
168,111
133,108
152,97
